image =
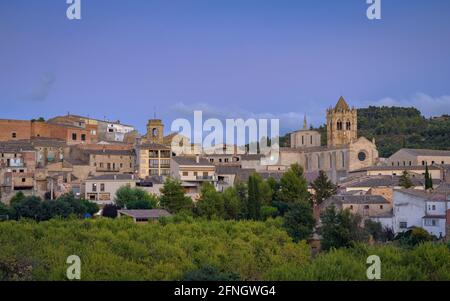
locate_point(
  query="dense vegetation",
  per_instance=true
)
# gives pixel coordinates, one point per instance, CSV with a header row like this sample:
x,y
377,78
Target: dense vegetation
x,y
394,128
258,230
192,249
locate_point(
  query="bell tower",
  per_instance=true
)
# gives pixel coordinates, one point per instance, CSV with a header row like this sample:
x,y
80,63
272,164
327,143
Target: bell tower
x,y
155,131
342,124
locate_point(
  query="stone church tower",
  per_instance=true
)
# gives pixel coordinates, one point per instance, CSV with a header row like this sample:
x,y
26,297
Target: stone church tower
x,y
342,124
155,131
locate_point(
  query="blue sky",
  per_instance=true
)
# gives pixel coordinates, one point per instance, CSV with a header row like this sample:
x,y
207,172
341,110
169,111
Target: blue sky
x,y
230,58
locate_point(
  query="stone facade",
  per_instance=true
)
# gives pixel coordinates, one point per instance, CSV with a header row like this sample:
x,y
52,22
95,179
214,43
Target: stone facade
x,y
345,151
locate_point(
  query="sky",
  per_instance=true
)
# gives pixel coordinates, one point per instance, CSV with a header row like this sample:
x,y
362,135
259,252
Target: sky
x,y
131,60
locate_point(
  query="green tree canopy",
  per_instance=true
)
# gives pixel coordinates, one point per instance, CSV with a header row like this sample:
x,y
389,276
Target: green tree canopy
x,y
293,186
323,188
173,197
299,221
340,229
405,180
135,198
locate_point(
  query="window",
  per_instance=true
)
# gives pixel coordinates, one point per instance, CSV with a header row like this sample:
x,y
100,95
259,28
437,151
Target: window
x,y
94,187
154,163
431,222
121,165
381,206
403,225
362,156
102,187
310,138
185,173
339,125
205,174
74,136
226,160
195,173
423,163
351,207
23,180
348,126
220,160
410,163
14,135
83,137
303,140
366,207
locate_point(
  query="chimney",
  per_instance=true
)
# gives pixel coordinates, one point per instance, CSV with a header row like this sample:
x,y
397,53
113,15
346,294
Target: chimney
x,y
197,158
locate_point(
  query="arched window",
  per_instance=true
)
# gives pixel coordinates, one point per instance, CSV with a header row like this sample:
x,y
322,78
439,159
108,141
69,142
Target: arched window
x,y
155,132
339,125
348,125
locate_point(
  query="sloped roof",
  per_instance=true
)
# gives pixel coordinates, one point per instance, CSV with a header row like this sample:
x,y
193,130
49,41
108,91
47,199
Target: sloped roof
x,y
426,152
358,199
111,177
145,214
342,105
16,146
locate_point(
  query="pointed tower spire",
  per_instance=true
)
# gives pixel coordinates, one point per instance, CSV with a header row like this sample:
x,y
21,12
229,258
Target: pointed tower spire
x,y
305,123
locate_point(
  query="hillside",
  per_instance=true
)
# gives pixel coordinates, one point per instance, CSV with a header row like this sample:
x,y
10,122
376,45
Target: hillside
x,y
395,128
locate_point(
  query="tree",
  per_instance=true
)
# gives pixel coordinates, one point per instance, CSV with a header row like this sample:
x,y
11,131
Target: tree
x,y
414,237
173,198
18,197
405,180
340,229
232,203
254,197
242,194
135,198
428,179
211,203
293,186
323,188
29,207
209,273
299,221
375,229
109,211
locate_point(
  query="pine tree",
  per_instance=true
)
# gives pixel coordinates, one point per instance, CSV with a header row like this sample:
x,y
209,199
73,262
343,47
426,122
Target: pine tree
x,y
254,198
323,188
428,179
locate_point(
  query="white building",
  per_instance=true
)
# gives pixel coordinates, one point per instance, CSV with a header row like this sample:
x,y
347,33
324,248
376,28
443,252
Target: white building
x,y
415,208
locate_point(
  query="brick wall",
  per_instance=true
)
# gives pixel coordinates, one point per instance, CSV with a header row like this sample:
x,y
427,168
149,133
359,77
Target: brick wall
x,y
21,128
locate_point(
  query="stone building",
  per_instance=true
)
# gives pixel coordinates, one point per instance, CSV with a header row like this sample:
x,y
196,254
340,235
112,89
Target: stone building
x,y
345,151
419,157
71,132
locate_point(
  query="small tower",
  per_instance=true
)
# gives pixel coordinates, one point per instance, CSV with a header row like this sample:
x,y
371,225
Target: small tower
x,y
342,124
155,131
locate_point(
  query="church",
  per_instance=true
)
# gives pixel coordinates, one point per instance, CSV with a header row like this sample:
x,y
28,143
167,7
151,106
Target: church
x,y
343,153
